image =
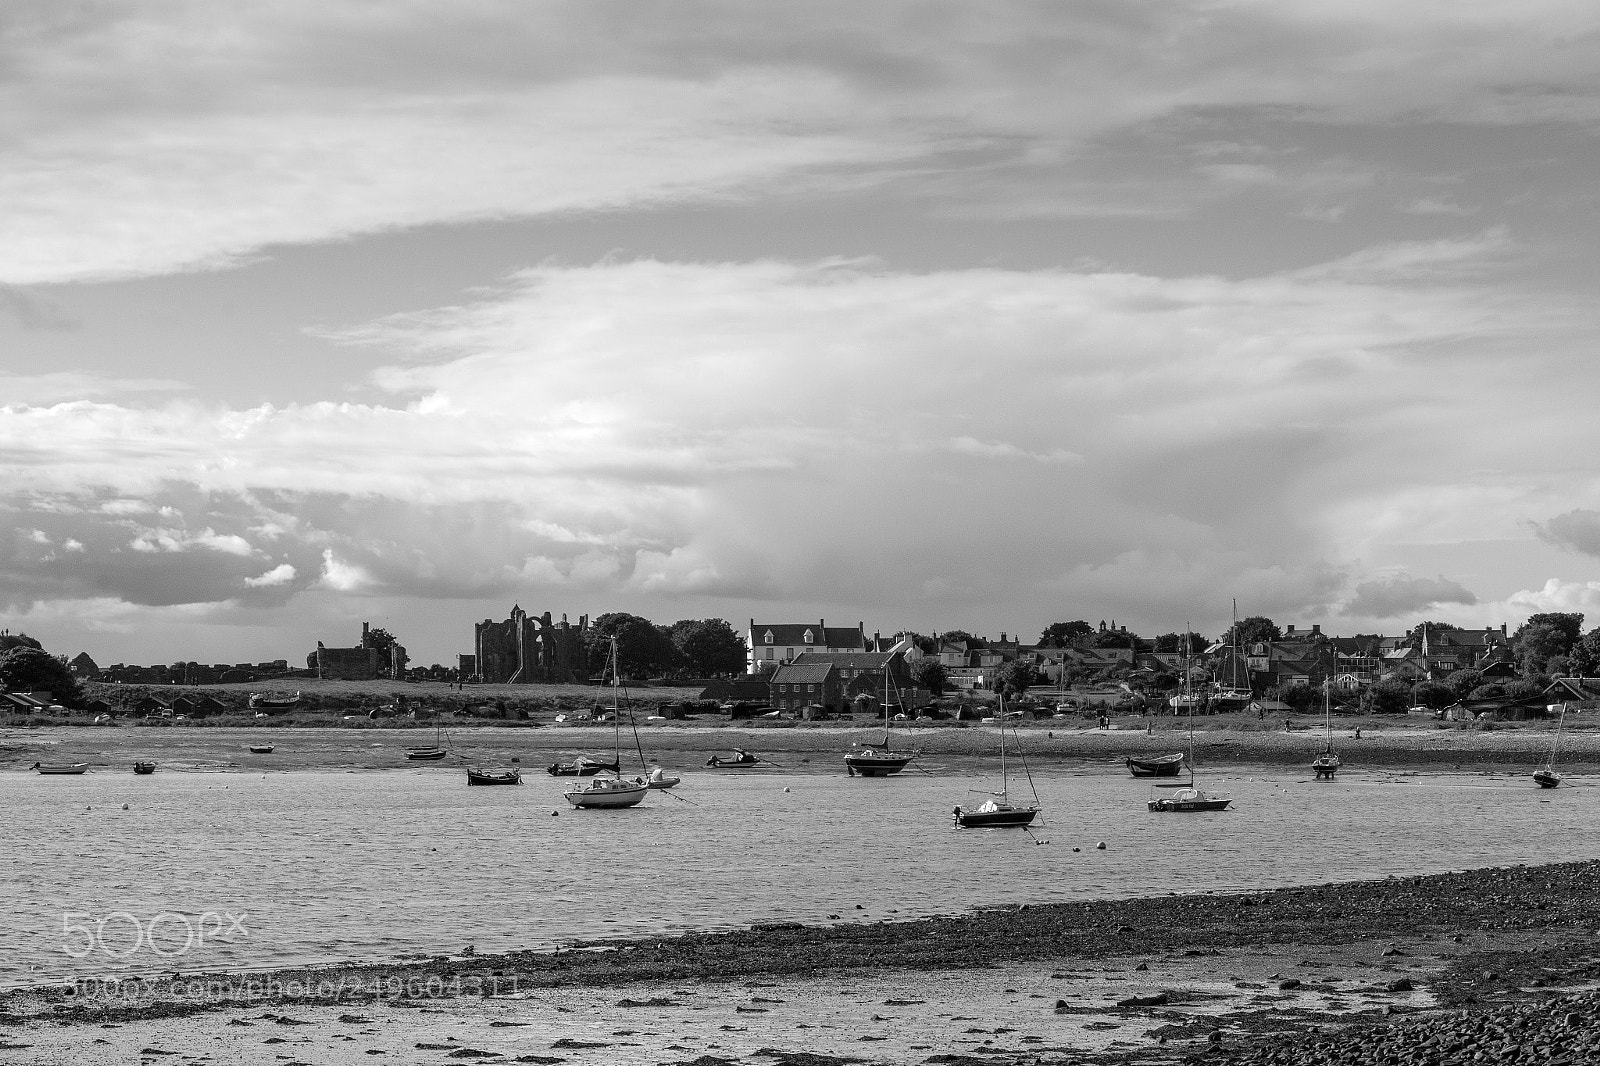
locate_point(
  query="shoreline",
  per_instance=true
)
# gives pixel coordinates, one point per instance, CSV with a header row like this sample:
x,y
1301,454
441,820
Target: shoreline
x,y
1399,951
810,749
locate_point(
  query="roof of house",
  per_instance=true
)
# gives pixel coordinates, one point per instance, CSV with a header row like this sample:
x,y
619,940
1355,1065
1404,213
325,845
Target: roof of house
x,y
798,674
792,634
854,660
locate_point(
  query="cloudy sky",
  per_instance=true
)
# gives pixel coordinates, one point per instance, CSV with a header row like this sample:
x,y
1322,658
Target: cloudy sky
x,y
928,315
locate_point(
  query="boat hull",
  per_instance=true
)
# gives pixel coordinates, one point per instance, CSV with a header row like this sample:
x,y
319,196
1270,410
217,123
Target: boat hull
x,y
1325,766
1165,766
997,819
1546,778
61,769
425,754
261,749
659,778
607,794
875,765
736,762
494,777
581,768
1167,805
144,768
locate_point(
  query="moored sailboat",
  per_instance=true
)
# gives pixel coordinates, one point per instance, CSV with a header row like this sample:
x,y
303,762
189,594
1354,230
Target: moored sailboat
x,y
1326,764
883,760
1546,776
611,793
1192,797
437,750
998,811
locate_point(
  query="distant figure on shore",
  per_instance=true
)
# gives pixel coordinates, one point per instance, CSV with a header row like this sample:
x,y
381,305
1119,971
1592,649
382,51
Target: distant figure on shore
x,y
1358,732
1287,727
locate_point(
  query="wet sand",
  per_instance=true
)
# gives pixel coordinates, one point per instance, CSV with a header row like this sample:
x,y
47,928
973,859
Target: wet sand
x,y
1316,974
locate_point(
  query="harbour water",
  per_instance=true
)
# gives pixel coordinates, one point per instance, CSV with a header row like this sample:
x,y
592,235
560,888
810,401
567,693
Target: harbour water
x,y
111,873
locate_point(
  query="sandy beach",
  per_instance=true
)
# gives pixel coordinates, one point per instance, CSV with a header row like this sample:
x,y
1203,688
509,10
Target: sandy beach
x,y
1283,977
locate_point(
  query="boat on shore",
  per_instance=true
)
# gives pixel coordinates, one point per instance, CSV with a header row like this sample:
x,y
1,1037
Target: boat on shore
x,y
266,701
142,768
512,776
435,751
739,760
659,778
1191,797
1156,766
261,749
60,768
584,766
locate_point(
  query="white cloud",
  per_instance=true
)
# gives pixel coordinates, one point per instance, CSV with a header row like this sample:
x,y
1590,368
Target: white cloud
x,y
281,574
340,576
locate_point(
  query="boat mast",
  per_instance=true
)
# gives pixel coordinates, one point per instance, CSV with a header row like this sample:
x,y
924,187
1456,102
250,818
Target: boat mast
x,y
616,710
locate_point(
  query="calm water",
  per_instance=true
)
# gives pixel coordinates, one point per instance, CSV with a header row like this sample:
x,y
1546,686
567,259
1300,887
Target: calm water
x,y
316,865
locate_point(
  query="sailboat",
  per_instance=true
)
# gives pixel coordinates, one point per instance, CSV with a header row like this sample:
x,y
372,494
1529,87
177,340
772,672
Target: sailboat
x,y
1546,776
882,761
998,810
1235,695
1184,702
1326,764
611,793
1191,797
438,750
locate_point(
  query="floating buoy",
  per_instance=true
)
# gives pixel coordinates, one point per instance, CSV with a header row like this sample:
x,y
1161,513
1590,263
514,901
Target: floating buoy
x,y
1077,849
1100,846
786,788
124,806
555,814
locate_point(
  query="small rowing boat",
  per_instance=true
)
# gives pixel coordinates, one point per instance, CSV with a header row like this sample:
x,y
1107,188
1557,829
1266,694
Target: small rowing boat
x,y
144,768
60,768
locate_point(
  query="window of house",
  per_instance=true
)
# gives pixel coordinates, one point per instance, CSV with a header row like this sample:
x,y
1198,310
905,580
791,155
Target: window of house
x,y
807,636
811,688
768,638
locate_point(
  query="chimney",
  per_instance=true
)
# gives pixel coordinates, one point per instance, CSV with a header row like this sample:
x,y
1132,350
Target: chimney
x,y
1290,631
1316,630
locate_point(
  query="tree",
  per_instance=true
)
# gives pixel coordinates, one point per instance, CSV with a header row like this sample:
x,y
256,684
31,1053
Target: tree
x,y
1115,638
1568,623
1173,643
929,673
708,647
1462,682
1434,694
1014,678
1386,697
18,640
1538,643
1065,634
1257,629
1431,627
29,669
643,650
956,636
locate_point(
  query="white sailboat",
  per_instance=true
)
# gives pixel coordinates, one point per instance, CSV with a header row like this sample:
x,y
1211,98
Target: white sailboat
x,y
1546,776
1325,765
1236,694
603,792
1190,797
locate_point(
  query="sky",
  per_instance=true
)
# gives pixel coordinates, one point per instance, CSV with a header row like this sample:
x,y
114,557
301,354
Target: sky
x,y
924,315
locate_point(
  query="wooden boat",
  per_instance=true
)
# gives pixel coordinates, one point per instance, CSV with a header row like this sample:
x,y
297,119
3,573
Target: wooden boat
x,y
584,766
1158,766
60,768
1546,775
1326,764
739,760
614,792
883,760
144,767
494,777
997,811
261,749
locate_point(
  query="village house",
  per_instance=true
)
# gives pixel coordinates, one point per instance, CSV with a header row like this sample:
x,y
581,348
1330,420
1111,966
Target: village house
x,y
795,687
780,642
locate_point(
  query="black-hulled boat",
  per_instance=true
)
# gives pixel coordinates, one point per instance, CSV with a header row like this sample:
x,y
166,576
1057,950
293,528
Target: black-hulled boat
x,y
144,768
585,766
494,777
739,760
998,811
